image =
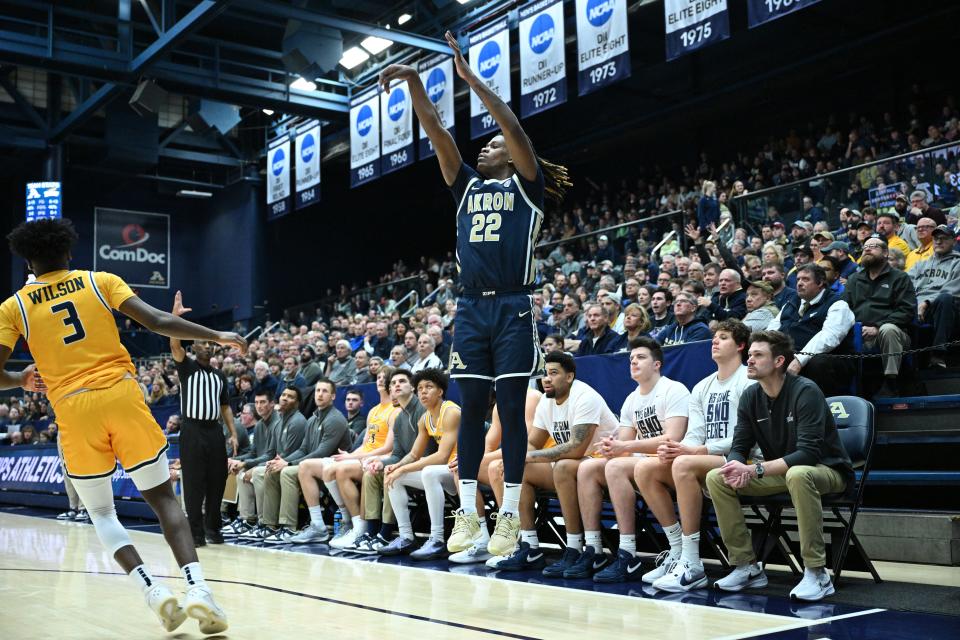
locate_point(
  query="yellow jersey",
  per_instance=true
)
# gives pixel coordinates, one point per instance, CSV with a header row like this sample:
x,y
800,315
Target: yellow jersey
x,y
67,320
378,425
435,429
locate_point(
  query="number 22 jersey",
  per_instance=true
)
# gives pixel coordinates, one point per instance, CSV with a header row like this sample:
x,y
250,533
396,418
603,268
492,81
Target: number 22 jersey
x,y
498,222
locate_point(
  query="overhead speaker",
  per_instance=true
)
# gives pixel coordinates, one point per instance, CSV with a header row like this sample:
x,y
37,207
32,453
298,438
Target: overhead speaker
x,y
148,98
132,140
207,114
311,50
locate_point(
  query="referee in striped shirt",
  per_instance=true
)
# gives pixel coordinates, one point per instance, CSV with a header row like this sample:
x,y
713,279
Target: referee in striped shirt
x,y
204,401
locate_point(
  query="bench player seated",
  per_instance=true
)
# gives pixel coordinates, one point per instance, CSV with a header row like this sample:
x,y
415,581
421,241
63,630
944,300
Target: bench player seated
x,y
682,467
248,503
654,413
471,539
343,472
577,418
441,423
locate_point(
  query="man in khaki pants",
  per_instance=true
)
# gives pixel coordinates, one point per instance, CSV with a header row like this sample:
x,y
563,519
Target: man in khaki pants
x,y
788,418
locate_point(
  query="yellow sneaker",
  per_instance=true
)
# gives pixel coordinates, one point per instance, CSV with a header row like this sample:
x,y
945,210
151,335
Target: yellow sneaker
x,y
503,542
466,528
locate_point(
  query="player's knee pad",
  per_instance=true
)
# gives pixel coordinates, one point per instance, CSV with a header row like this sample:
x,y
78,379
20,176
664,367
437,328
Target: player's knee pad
x,y
97,495
151,475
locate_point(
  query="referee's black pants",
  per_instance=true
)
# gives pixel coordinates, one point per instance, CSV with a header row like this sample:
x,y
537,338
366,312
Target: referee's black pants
x,y
203,464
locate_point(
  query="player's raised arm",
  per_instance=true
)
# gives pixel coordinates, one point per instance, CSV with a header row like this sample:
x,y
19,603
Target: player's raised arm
x,y
518,144
167,324
447,153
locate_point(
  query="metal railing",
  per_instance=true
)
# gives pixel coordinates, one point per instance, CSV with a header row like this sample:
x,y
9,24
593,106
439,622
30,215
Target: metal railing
x,y
609,229
877,184
371,293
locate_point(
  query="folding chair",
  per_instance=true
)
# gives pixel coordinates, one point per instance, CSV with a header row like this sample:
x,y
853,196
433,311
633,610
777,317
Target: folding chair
x,y
855,424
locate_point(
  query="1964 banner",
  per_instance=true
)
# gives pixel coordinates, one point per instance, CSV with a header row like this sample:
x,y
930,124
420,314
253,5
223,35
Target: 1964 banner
x,y
543,70
135,245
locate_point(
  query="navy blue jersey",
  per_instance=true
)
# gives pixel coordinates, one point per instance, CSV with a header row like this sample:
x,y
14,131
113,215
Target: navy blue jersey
x,y
498,222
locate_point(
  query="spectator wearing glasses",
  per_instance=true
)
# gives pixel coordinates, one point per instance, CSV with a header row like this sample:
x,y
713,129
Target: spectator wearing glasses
x,y
685,327
884,301
920,208
925,227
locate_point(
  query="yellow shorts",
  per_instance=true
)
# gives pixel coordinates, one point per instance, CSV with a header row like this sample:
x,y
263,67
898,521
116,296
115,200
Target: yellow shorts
x,y
101,426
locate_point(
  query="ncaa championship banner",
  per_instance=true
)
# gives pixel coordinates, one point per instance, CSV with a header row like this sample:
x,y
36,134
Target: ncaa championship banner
x,y
436,73
134,245
396,123
308,164
364,137
603,50
278,177
693,24
489,56
763,11
543,70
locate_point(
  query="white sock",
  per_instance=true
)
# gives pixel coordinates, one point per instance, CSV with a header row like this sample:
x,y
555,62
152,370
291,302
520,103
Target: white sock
x,y
691,548
575,541
628,542
530,537
594,540
334,491
674,536
358,524
511,498
193,574
484,532
401,510
316,517
468,496
141,577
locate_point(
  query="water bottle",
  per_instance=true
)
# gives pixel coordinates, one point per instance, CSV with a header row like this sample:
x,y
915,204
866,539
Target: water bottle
x,y
337,517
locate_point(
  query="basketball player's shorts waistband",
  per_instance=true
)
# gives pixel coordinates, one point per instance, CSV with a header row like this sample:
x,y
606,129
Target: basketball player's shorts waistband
x,y
486,293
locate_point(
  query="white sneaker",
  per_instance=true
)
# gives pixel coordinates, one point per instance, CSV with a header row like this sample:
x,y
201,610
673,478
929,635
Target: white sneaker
x,y
477,552
345,539
665,563
816,585
684,577
163,602
199,605
743,577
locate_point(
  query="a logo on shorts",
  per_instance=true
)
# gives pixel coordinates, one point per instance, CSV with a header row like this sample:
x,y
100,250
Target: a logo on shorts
x,y
456,362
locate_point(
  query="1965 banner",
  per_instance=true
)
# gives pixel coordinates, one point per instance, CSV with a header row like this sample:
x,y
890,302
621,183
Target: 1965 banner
x,y
135,245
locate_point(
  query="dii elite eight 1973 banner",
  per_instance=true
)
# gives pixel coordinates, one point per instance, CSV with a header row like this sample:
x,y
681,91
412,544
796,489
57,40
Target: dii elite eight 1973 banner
x,y
489,57
603,49
134,245
543,69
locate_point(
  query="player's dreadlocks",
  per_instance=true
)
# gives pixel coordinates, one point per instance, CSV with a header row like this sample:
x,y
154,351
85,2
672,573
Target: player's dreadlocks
x,y
46,242
556,180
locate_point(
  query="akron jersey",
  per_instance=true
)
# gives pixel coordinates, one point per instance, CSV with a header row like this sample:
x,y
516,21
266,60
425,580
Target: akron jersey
x,y
498,222
67,320
378,425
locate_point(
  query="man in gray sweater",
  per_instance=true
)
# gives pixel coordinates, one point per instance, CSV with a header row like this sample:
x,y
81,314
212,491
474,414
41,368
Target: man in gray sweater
x,y
325,433
937,280
788,418
285,439
250,500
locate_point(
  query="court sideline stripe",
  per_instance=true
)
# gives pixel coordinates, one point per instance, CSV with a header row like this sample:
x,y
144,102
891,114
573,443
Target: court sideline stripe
x,y
300,594
798,625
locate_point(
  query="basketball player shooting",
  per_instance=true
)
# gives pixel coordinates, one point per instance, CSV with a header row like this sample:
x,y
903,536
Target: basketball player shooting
x,y
499,214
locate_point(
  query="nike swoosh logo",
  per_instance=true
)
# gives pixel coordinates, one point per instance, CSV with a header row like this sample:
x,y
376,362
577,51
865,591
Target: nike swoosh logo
x,y
762,419
633,569
597,564
524,313
534,558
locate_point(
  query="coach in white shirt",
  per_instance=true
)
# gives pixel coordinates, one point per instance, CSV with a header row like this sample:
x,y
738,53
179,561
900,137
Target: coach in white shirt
x,y
426,358
819,322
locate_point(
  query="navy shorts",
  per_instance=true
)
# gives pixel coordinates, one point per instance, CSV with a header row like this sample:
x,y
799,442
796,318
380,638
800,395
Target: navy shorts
x,y
496,337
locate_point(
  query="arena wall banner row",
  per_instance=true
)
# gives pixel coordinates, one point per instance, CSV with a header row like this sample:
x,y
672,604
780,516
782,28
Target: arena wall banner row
x,y
135,245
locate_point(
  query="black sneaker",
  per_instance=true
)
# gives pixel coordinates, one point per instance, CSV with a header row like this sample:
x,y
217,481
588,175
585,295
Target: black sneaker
x,y
587,564
567,560
214,537
523,559
199,541
625,567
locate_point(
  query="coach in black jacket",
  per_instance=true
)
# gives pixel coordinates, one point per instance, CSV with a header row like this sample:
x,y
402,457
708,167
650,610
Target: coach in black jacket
x,y
788,417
